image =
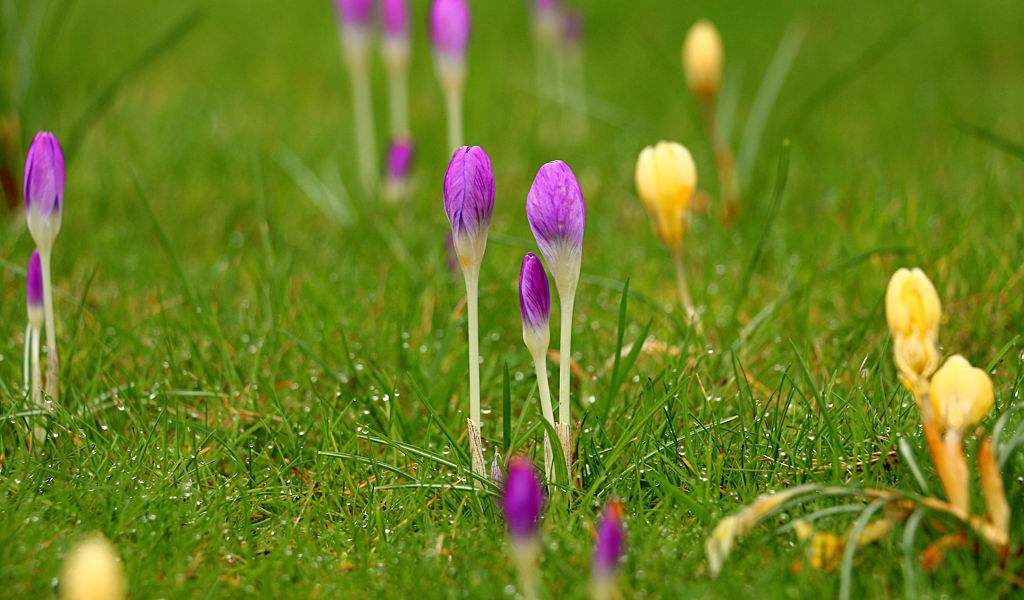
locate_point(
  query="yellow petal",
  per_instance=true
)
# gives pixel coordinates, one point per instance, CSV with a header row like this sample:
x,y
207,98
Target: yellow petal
x,y
912,305
703,57
92,572
961,395
666,177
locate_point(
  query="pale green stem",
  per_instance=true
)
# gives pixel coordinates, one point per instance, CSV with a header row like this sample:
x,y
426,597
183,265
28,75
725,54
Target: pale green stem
x,y
684,290
399,102
363,111
453,100
28,357
52,360
565,356
472,284
540,365
37,386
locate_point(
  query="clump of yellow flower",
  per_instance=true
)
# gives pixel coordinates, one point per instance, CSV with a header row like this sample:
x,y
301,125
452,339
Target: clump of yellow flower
x,y
913,311
703,57
666,178
92,572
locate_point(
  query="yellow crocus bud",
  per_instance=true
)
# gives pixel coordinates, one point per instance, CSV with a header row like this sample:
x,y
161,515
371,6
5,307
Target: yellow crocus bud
x,y
666,177
702,59
92,572
912,311
961,395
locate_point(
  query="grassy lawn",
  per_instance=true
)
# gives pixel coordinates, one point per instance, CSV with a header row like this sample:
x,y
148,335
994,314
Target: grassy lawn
x,y
264,383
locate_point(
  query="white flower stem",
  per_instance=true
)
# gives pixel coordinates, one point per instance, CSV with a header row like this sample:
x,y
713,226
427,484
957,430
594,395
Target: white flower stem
x,y
540,365
52,360
684,290
472,276
453,101
565,355
26,366
37,385
399,102
363,111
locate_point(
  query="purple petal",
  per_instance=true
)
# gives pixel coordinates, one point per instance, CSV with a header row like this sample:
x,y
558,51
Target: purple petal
x,y
44,175
449,26
523,499
396,18
610,536
34,290
534,294
556,210
469,191
354,12
400,155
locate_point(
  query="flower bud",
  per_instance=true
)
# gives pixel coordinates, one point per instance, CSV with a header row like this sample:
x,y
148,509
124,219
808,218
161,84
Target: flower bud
x,y
34,291
534,303
558,215
400,158
44,189
522,499
395,17
666,177
912,312
961,395
608,549
449,27
92,572
354,13
702,59
469,202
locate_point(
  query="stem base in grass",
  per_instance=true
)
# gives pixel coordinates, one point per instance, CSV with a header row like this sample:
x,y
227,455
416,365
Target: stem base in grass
x,y
476,448
565,438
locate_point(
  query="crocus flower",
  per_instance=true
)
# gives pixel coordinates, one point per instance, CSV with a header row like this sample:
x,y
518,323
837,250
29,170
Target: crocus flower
x,y
535,308
44,205
702,59
92,571
666,178
449,33
912,312
523,499
399,163
395,15
354,19
607,552
557,215
34,375
469,203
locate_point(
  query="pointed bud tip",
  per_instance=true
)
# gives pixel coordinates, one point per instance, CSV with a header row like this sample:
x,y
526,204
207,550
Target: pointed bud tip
x,y
556,211
449,27
44,175
534,293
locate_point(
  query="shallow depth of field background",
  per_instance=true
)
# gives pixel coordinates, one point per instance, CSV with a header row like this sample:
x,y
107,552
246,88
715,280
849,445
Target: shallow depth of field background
x,y
230,303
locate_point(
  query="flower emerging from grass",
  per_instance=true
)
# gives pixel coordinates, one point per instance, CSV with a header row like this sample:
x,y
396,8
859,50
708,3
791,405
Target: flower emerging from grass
x,y
92,571
535,308
608,552
469,204
522,503
34,296
912,312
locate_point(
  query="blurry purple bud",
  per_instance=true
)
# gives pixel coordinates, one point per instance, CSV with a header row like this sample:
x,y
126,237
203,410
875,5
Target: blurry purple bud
x,y
34,290
449,27
557,215
395,15
543,4
44,176
523,499
572,25
400,156
469,201
610,536
534,294
355,13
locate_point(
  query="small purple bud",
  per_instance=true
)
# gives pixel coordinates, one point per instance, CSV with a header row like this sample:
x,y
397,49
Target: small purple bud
x,y
354,12
449,27
608,547
400,155
572,25
534,294
395,14
34,290
523,498
557,213
44,176
543,4
469,193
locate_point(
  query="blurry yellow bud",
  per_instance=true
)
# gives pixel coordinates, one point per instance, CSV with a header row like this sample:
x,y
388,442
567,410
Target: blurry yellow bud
x,y
92,572
961,395
912,311
666,177
702,59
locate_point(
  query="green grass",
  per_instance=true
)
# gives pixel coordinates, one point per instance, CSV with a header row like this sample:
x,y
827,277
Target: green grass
x,y
264,371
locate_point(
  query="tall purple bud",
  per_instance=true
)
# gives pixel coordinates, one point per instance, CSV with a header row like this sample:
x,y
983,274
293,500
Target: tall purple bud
x,y
395,17
354,13
34,291
522,500
534,301
608,551
354,17
400,157
469,203
44,189
449,33
557,215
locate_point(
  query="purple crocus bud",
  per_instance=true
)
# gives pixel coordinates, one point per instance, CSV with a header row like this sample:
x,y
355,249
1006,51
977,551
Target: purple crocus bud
x,y
395,17
449,27
44,189
522,500
557,215
534,302
400,155
572,25
354,13
34,290
608,548
469,202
